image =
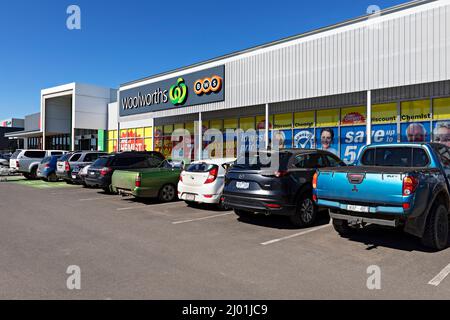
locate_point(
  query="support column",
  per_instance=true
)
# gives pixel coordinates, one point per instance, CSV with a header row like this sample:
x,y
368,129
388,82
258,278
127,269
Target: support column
x,y
266,133
369,117
200,136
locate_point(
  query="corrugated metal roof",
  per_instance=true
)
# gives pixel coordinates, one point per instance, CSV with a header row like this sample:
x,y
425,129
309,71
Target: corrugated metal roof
x,y
287,39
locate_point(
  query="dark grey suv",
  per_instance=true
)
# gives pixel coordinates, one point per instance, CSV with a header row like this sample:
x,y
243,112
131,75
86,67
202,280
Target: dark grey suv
x,y
252,186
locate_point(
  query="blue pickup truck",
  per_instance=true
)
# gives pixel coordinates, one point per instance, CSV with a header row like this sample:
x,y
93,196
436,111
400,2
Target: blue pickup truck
x,y
399,185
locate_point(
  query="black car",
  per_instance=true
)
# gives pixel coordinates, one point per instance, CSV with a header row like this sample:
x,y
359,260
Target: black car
x,y
283,187
100,172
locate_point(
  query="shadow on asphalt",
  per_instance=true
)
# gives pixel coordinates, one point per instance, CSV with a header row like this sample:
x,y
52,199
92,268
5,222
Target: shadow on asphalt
x,y
281,222
376,236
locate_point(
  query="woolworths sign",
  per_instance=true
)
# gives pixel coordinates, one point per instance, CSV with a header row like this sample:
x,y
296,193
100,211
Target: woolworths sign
x,y
200,87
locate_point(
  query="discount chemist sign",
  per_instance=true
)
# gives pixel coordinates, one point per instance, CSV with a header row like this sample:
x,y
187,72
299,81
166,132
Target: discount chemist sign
x,y
200,87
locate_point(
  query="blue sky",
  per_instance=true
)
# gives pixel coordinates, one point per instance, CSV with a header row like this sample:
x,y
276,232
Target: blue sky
x,y
120,41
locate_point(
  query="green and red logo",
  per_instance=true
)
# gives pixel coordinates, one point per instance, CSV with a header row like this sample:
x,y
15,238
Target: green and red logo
x,y
178,92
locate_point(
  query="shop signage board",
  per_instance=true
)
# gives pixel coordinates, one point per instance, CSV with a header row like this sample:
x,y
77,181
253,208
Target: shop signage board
x,y
205,86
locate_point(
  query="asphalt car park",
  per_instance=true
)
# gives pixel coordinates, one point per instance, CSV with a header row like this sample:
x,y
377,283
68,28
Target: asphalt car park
x,y
129,249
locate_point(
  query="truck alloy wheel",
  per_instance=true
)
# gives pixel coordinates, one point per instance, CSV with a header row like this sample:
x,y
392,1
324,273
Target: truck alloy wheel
x,y
437,228
167,193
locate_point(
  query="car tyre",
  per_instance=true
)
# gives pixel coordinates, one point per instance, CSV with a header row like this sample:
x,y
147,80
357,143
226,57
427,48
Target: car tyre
x,y
167,193
52,177
342,227
108,189
33,174
436,228
306,212
221,205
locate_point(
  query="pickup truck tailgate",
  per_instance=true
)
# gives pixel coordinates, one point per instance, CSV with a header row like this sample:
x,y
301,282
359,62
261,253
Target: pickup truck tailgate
x,y
124,179
362,185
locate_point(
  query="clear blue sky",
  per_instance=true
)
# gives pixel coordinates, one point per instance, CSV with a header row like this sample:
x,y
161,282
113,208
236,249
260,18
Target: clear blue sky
x,y
122,41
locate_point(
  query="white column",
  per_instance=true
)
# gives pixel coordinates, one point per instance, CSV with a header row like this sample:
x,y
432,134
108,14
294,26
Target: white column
x,y
369,117
266,133
200,136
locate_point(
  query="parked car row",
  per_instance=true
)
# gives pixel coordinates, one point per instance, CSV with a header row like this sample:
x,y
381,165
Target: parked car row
x,y
398,185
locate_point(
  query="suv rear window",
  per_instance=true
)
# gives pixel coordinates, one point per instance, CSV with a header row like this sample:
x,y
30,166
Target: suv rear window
x,y
200,167
101,162
34,154
395,157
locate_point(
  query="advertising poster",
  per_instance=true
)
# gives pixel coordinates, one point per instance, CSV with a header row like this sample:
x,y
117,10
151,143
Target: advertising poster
x,y
386,133
415,111
441,132
352,140
415,132
158,136
260,129
284,138
353,116
327,118
304,138
282,121
230,141
304,120
327,139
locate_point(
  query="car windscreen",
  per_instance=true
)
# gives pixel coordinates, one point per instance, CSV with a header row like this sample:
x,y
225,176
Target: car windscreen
x,y
395,157
101,162
262,161
200,167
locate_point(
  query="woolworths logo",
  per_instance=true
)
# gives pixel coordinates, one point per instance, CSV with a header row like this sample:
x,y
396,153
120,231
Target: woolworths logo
x,y
178,92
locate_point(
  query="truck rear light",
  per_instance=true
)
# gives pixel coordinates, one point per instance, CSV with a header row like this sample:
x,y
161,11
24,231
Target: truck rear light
x,y
105,171
66,166
314,180
212,175
409,185
208,196
17,164
181,177
137,182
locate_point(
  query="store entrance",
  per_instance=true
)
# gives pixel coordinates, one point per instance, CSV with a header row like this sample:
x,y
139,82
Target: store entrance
x,y
85,144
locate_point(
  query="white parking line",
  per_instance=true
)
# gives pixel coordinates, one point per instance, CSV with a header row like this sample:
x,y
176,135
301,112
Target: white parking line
x,y
131,208
97,198
295,235
204,218
440,276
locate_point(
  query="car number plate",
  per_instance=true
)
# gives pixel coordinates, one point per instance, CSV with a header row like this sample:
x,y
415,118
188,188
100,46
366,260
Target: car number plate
x,y
242,185
351,207
190,197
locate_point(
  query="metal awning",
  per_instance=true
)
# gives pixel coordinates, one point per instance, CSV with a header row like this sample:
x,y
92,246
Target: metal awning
x,y
24,134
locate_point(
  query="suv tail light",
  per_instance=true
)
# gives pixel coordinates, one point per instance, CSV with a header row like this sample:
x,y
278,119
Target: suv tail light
x,y
277,174
212,175
66,166
314,180
105,171
137,182
409,185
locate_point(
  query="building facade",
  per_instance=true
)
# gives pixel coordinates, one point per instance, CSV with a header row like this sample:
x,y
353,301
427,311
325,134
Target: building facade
x,y
380,78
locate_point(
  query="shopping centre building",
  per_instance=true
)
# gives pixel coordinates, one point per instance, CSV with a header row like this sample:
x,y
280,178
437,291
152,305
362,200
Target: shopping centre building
x,y
379,78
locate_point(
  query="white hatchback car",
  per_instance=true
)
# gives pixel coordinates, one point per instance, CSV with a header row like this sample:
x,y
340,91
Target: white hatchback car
x,y
203,181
